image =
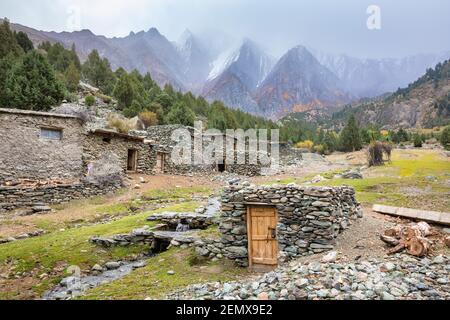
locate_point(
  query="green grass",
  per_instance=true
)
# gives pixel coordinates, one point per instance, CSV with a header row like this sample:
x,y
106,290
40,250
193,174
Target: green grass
x,y
386,184
154,282
175,193
71,247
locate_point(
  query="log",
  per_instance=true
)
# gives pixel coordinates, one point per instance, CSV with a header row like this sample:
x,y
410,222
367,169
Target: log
x,y
389,240
411,237
417,246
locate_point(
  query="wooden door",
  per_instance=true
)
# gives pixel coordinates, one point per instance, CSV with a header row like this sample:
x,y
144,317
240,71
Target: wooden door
x,y
160,158
132,160
262,237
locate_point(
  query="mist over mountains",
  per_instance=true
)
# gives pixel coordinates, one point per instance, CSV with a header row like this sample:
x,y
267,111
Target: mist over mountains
x,y
243,75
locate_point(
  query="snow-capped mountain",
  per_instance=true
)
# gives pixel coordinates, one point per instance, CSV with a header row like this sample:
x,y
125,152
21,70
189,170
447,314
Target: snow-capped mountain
x,y
196,59
373,77
244,76
236,74
298,82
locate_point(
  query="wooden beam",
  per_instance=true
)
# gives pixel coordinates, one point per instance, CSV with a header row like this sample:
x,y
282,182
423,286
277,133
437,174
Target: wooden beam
x,y
430,216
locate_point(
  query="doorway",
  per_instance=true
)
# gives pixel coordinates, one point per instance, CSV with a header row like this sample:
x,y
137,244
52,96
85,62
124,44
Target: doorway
x,y
262,235
160,162
132,160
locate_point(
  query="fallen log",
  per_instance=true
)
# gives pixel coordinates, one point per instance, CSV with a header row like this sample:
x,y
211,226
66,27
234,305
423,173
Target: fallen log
x,y
411,238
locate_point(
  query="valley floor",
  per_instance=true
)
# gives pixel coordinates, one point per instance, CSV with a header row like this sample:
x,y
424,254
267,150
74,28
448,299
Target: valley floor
x,y
31,266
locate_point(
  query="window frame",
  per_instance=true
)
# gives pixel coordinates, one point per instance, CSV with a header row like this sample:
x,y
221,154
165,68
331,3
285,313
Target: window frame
x,y
51,137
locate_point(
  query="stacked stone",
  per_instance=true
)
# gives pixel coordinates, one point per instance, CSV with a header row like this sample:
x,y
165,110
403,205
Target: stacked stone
x,y
309,218
172,219
22,197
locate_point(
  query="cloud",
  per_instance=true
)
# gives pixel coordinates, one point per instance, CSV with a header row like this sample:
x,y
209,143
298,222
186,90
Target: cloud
x,y
408,26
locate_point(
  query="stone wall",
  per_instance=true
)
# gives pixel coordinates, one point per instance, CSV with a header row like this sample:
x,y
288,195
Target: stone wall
x,y
309,218
162,142
97,146
25,155
21,197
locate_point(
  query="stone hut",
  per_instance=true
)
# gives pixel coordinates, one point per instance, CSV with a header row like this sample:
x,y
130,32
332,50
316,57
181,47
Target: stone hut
x,y
265,225
40,146
56,149
163,144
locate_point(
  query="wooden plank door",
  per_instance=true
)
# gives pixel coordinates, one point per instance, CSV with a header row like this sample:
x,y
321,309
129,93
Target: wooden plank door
x,y
132,160
262,239
160,162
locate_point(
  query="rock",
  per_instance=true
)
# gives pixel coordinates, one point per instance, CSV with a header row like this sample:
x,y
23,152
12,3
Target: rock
x,y
113,265
387,296
388,267
97,267
170,272
263,296
201,251
39,209
142,180
137,186
330,257
438,259
351,174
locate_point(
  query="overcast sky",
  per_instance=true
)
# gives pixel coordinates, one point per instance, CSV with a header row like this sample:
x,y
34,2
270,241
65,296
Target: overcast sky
x,y
337,26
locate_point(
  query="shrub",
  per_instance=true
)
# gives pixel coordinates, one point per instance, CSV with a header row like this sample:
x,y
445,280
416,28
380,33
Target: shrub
x,y
417,141
376,151
148,118
89,100
306,144
106,99
445,138
320,149
121,125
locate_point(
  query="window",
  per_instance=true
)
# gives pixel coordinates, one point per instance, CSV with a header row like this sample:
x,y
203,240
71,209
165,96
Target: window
x,y
106,140
51,134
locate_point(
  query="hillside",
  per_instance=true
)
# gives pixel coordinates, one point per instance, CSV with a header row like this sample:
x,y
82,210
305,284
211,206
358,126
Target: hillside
x,y
243,75
424,103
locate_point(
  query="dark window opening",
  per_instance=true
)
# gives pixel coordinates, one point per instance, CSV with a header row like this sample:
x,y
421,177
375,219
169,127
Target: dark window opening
x,y
107,140
51,134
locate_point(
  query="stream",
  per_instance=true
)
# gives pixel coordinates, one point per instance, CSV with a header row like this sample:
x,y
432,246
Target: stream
x,y
76,285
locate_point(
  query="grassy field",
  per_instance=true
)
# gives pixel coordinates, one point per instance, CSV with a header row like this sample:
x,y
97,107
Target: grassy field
x,y
414,178
154,282
52,253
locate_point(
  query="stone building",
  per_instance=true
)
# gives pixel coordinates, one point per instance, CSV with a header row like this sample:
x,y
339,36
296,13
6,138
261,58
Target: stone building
x,y
164,144
49,146
266,225
52,158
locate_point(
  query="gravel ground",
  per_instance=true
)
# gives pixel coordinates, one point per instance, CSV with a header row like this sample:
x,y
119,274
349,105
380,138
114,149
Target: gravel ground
x,y
400,277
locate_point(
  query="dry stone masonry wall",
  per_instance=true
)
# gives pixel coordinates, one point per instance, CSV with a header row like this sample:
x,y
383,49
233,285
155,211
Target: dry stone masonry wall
x,y
24,154
309,218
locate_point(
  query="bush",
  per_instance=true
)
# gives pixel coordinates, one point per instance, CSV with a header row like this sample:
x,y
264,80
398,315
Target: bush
x,y
376,151
120,125
417,141
320,149
306,144
106,99
89,100
148,118
445,138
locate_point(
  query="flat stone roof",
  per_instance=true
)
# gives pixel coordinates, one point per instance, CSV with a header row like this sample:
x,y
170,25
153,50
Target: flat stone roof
x,y
38,113
116,134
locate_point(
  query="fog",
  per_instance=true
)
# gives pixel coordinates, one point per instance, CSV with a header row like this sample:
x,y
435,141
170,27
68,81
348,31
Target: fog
x,y
405,27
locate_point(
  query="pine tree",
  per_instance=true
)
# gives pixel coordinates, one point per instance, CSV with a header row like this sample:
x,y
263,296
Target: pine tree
x,y
32,84
445,138
8,42
180,114
124,92
98,72
23,41
72,77
350,136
